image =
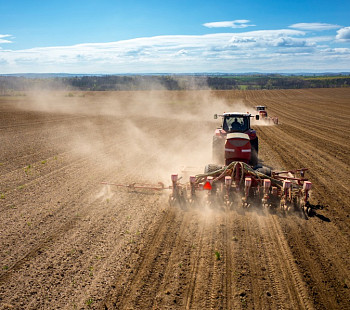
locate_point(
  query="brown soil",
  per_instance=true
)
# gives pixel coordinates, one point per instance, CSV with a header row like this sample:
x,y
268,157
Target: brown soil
x,y
68,242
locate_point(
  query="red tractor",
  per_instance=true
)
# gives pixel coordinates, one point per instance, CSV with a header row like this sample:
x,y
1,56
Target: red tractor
x,y
261,109
237,173
235,140
237,177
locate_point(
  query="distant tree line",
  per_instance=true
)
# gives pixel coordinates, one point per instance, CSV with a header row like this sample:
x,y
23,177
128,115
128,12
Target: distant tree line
x,y
171,82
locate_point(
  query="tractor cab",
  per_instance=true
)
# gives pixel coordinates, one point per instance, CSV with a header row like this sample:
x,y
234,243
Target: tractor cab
x,y
235,140
235,122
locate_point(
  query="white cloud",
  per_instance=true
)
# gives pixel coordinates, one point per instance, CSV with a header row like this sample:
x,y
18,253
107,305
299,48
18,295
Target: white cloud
x,y
343,34
314,26
271,50
4,36
238,23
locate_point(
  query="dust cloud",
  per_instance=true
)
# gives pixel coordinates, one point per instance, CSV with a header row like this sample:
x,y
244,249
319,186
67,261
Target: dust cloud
x,y
262,122
144,136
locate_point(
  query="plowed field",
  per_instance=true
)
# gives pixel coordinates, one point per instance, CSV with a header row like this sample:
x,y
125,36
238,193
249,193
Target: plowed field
x,y
69,242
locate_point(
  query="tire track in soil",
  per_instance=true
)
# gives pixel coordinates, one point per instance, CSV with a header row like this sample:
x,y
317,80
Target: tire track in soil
x,y
278,291
183,284
124,290
156,265
322,276
208,291
217,280
251,258
239,261
203,291
194,270
178,273
291,279
179,276
228,263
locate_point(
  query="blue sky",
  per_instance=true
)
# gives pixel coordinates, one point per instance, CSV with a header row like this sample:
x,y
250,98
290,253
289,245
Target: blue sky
x,y
174,36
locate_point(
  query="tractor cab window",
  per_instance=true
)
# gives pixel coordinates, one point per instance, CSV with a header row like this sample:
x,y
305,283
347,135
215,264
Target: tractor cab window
x,y
260,108
235,123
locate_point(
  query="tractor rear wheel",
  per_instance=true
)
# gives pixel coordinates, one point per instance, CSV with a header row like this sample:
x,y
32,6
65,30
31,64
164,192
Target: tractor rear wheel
x,y
218,150
255,151
255,145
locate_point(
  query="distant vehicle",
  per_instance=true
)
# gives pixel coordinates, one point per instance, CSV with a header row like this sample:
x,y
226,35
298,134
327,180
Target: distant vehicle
x,y
261,109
